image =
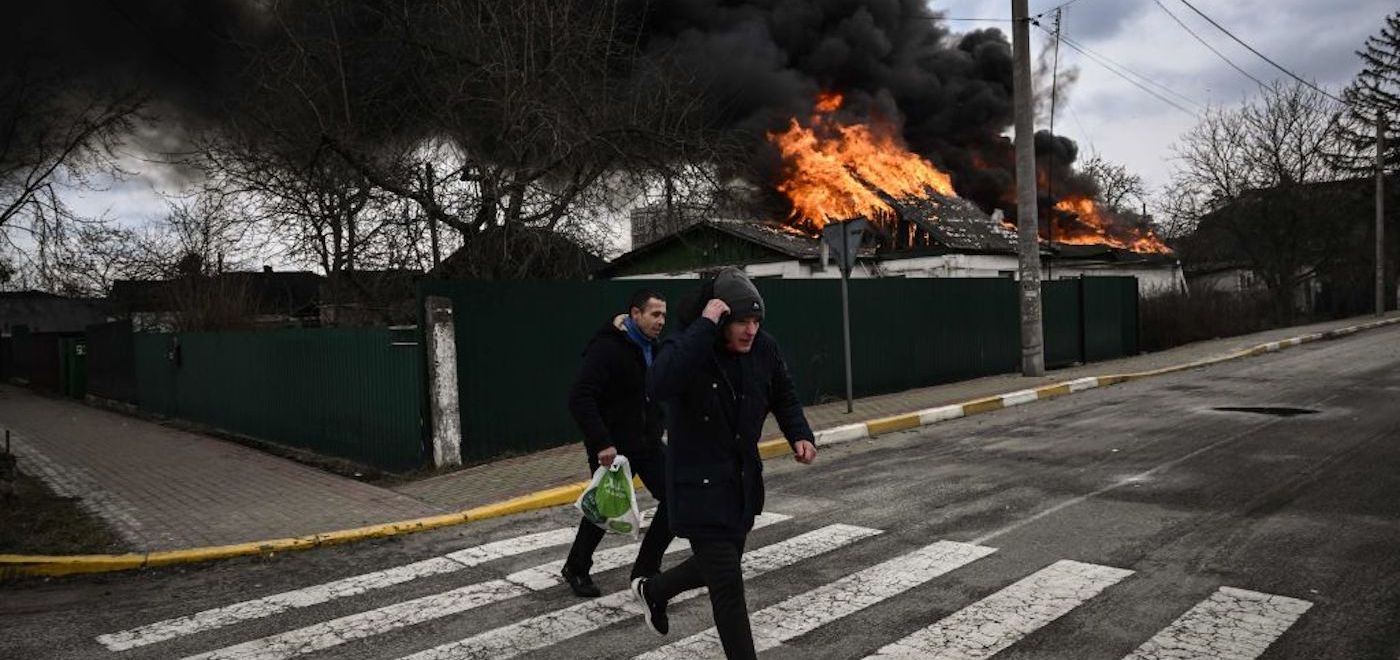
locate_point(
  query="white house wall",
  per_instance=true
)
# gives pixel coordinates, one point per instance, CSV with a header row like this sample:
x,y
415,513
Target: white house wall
x,y
1152,280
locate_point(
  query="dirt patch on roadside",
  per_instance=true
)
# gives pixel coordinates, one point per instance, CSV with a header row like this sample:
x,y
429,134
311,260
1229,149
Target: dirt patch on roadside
x,y
35,521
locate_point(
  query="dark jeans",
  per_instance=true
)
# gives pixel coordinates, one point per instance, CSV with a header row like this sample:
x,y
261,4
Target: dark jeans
x,y
715,564
651,467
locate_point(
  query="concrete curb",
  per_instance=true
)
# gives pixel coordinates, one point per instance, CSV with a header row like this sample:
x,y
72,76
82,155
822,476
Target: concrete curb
x,y
49,565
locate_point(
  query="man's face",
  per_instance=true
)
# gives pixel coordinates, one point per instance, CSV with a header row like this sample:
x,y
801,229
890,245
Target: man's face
x,y
740,333
651,319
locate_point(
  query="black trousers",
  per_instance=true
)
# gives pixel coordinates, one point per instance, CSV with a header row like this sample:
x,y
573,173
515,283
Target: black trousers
x,y
715,564
651,467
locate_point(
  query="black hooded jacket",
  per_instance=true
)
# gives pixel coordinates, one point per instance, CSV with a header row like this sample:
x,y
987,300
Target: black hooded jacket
x,y
609,399
714,475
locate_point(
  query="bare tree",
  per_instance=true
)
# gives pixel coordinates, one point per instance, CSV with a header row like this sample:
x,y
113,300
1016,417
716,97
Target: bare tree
x,y
51,138
1119,190
482,114
1262,159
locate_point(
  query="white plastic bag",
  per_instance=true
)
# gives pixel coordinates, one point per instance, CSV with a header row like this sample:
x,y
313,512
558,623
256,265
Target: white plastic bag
x,y
610,501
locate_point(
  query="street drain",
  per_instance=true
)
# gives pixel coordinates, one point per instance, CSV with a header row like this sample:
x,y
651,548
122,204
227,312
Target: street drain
x,y
1277,411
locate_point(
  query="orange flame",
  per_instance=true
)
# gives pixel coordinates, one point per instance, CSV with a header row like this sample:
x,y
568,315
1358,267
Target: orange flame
x,y
837,171
1093,229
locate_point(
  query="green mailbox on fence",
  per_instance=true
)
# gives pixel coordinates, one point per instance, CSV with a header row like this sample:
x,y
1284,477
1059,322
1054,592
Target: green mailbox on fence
x,y
72,367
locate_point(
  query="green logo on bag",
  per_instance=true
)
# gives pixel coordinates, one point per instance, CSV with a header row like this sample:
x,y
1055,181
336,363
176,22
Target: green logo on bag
x,y
613,496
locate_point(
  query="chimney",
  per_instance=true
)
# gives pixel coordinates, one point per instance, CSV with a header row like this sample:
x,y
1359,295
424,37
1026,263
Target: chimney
x,y
267,269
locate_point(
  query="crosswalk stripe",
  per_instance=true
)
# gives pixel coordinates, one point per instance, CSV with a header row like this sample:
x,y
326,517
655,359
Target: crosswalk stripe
x,y
360,625
988,626
561,625
805,612
314,595
1232,624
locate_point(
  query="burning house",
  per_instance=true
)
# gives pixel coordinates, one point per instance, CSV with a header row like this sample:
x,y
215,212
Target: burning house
x,y
921,227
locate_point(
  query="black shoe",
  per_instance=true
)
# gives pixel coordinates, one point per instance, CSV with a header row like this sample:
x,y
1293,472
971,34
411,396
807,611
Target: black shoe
x,y
654,612
581,583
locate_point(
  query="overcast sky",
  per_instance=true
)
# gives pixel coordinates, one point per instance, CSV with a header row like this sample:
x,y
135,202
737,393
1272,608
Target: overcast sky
x,y
1316,39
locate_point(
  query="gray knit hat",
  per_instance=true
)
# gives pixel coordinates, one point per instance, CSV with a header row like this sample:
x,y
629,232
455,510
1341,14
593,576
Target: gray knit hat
x,y
734,288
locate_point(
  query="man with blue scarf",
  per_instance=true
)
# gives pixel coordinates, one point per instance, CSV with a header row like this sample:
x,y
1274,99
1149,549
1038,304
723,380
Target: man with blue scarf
x,y
609,403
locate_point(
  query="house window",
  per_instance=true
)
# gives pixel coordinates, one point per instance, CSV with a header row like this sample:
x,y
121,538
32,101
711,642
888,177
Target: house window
x,y
1008,274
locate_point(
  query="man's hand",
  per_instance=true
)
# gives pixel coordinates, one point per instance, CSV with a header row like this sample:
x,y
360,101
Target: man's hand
x,y
605,457
714,310
804,452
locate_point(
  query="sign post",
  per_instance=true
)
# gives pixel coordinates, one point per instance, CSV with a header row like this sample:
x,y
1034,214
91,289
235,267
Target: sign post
x,y
844,240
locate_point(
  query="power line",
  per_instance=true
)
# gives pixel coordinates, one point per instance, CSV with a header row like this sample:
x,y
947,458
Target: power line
x,y
1056,8
1207,44
1251,49
1120,74
1142,77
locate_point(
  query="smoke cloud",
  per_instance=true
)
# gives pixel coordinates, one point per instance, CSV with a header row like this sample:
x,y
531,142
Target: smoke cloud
x,y
755,64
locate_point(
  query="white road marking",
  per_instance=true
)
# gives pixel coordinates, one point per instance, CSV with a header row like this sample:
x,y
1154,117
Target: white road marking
x,y
545,576
990,625
399,615
1082,384
805,612
1233,624
561,625
314,595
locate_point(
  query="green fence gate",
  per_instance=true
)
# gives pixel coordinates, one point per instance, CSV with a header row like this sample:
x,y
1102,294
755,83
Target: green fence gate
x,y
355,393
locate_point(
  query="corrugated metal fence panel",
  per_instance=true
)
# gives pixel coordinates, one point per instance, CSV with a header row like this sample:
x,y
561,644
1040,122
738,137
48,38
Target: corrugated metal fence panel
x,y
346,392
1110,317
153,362
519,343
1061,322
111,370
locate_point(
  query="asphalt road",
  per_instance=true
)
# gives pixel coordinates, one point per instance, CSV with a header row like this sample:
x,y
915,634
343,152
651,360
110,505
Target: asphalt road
x,y
1134,519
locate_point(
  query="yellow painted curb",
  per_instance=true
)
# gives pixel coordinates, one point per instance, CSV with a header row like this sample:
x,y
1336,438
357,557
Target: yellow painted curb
x,y
773,448
892,424
1053,391
983,405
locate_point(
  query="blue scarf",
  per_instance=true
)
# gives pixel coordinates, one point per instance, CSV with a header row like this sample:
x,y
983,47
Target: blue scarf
x,y
635,334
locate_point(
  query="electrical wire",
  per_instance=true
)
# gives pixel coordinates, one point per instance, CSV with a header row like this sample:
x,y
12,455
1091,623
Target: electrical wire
x,y
1141,77
1120,74
1251,49
1207,44
1054,9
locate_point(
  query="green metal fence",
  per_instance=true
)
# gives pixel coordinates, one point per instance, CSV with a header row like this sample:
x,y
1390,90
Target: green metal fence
x,y
519,343
354,393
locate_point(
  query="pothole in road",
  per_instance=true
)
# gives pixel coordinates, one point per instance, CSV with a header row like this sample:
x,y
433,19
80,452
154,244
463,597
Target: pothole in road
x,y
1277,411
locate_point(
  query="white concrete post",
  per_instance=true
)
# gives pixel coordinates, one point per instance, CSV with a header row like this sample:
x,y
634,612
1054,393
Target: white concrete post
x,y
442,382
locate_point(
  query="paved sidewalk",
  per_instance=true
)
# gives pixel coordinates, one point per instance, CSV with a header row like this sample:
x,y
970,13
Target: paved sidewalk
x,y
564,465
164,489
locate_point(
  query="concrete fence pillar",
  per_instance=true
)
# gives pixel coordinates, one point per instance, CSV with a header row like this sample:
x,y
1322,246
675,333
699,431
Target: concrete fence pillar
x,y
442,382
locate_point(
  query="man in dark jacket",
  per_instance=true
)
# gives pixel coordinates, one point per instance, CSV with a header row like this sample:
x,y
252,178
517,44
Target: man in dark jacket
x,y
718,379
610,405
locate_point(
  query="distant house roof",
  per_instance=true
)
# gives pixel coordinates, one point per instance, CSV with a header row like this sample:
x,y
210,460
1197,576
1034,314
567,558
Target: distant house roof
x,y
512,253
45,312
291,293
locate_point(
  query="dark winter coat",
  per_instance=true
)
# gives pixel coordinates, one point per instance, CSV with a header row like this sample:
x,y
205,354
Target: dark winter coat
x,y
609,399
714,476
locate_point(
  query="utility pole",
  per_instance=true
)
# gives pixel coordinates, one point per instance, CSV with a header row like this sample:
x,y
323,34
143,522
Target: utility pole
x,y
1027,222
1380,212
